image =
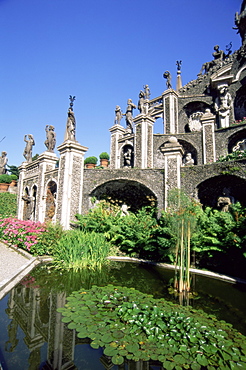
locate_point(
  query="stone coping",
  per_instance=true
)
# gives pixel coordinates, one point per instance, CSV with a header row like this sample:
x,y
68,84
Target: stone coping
x,y
214,275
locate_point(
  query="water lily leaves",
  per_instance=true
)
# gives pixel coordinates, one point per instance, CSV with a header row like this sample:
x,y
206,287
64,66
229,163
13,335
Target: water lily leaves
x,y
132,325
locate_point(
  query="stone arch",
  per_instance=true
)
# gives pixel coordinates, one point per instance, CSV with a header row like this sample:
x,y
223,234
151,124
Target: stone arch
x,y
190,109
237,138
50,207
240,101
133,193
211,189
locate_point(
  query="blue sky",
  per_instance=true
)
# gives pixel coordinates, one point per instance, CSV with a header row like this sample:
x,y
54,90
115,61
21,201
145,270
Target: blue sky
x,y
101,51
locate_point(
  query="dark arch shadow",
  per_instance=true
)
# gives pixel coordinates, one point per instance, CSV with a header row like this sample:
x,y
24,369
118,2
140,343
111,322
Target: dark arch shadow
x,y
210,190
132,193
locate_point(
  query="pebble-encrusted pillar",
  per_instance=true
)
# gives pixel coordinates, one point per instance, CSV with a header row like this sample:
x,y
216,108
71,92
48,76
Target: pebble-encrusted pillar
x,y
117,132
143,141
70,181
208,139
22,175
173,153
170,111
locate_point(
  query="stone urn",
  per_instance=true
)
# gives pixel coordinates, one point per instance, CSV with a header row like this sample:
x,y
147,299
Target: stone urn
x,y
104,162
90,165
4,187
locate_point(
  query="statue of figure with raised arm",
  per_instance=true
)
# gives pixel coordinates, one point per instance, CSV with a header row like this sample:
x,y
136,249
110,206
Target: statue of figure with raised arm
x,y
118,115
128,114
168,77
71,122
50,141
3,163
29,140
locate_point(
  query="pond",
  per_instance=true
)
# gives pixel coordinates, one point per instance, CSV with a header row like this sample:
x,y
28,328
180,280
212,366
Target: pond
x,y
32,335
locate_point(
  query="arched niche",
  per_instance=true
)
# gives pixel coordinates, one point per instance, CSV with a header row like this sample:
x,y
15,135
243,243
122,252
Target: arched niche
x,y
188,148
240,102
211,189
51,191
127,156
235,140
193,110
132,193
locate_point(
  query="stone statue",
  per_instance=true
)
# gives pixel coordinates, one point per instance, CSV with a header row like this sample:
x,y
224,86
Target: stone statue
x,y
146,92
118,115
167,76
141,103
225,200
3,163
188,161
128,158
124,210
28,207
29,140
219,56
128,114
50,141
71,123
195,121
223,106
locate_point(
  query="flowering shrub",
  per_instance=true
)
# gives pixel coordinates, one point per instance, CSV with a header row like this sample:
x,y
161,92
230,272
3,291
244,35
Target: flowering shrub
x,y
238,154
21,234
239,121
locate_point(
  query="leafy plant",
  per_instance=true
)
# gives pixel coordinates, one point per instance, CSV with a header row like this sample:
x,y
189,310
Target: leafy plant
x,y
14,170
92,160
104,155
5,179
77,249
132,325
238,154
8,205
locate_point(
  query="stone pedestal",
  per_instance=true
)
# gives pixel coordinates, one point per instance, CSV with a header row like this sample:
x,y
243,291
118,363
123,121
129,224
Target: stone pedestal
x,y
143,141
117,132
173,153
170,111
70,181
208,139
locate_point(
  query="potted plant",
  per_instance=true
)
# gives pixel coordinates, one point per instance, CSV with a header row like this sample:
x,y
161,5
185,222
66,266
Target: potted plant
x,y
104,159
14,180
90,162
5,180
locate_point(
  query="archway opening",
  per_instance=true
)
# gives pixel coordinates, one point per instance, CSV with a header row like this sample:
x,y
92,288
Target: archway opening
x,y
209,191
134,194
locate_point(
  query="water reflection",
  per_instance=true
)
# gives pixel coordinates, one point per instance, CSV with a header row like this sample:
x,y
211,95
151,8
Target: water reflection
x,y
36,338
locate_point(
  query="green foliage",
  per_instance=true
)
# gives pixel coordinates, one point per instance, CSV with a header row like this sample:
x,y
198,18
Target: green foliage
x,y
35,157
104,155
48,240
132,325
92,160
8,205
238,154
5,179
77,249
13,170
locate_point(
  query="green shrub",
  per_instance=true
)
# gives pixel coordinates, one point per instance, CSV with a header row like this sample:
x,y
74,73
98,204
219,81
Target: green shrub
x,y
5,179
104,155
92,160
8,205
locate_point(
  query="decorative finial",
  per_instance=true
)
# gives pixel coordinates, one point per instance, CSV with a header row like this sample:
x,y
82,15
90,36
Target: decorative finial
x,y
71,98
178,64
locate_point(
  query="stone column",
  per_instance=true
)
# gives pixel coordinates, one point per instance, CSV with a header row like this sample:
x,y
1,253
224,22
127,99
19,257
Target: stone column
x,y
208,139
143,141
70,181
170,111
117,132
47,162
173,153
20,202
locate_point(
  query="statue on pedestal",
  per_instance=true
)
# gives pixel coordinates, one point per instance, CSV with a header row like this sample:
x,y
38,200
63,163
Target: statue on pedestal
x,y
50,141
3,163
118,115
71,123
223,106
128,114
29,140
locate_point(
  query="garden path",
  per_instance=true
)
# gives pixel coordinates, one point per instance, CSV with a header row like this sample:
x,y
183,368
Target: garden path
x,y
14,265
